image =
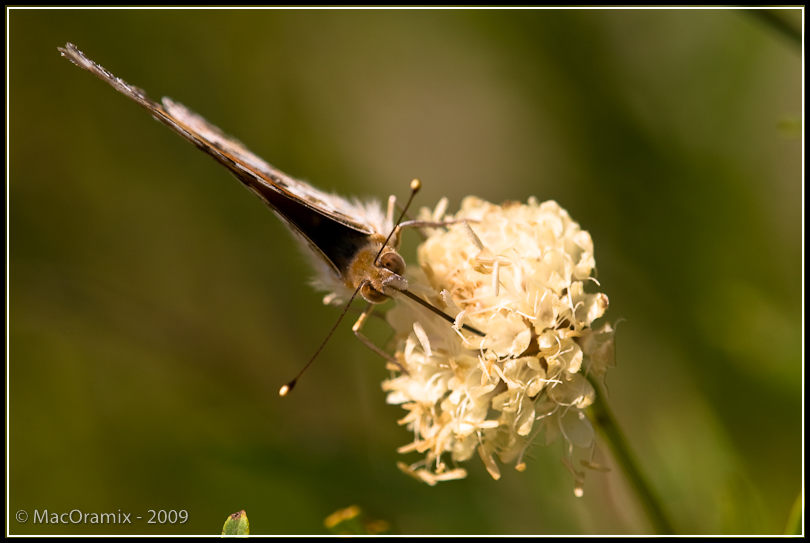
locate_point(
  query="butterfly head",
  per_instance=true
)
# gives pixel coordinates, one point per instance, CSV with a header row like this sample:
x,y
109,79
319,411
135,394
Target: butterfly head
x,y
377,272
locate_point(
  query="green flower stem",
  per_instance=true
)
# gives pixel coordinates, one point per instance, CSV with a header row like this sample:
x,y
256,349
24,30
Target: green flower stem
x,y
607,426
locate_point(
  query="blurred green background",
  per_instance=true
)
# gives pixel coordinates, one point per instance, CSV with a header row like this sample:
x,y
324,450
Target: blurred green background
x,y
156,306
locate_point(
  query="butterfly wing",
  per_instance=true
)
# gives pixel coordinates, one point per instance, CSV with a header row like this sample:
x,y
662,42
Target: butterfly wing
x,y
333,228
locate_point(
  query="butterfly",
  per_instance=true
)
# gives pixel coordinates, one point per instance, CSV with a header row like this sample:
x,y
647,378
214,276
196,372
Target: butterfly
x,y
353,244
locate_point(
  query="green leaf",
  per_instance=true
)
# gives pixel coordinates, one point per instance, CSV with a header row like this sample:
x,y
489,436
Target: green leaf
x,y
236,524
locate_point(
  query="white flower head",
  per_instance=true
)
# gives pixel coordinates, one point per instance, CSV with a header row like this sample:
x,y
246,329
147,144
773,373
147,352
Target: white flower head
x,y
516,272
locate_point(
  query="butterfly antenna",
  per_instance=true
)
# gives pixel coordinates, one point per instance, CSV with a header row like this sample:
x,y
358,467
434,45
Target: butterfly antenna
x,y
415,186
283,391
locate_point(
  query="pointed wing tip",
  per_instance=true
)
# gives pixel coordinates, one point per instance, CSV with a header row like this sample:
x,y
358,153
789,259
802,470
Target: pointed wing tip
x,y
72,53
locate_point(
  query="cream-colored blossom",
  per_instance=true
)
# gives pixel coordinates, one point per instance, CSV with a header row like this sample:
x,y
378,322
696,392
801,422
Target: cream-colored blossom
x,y
521,274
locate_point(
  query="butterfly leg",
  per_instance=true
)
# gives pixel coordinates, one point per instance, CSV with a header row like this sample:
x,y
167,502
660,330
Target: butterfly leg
x,y
426,224
367,312
433,224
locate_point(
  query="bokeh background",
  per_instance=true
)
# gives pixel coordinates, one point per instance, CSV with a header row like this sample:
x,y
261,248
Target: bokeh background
x,y
156,306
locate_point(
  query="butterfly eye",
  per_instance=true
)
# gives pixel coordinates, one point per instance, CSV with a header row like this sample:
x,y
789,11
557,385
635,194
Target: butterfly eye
x,y
393,262
371,294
